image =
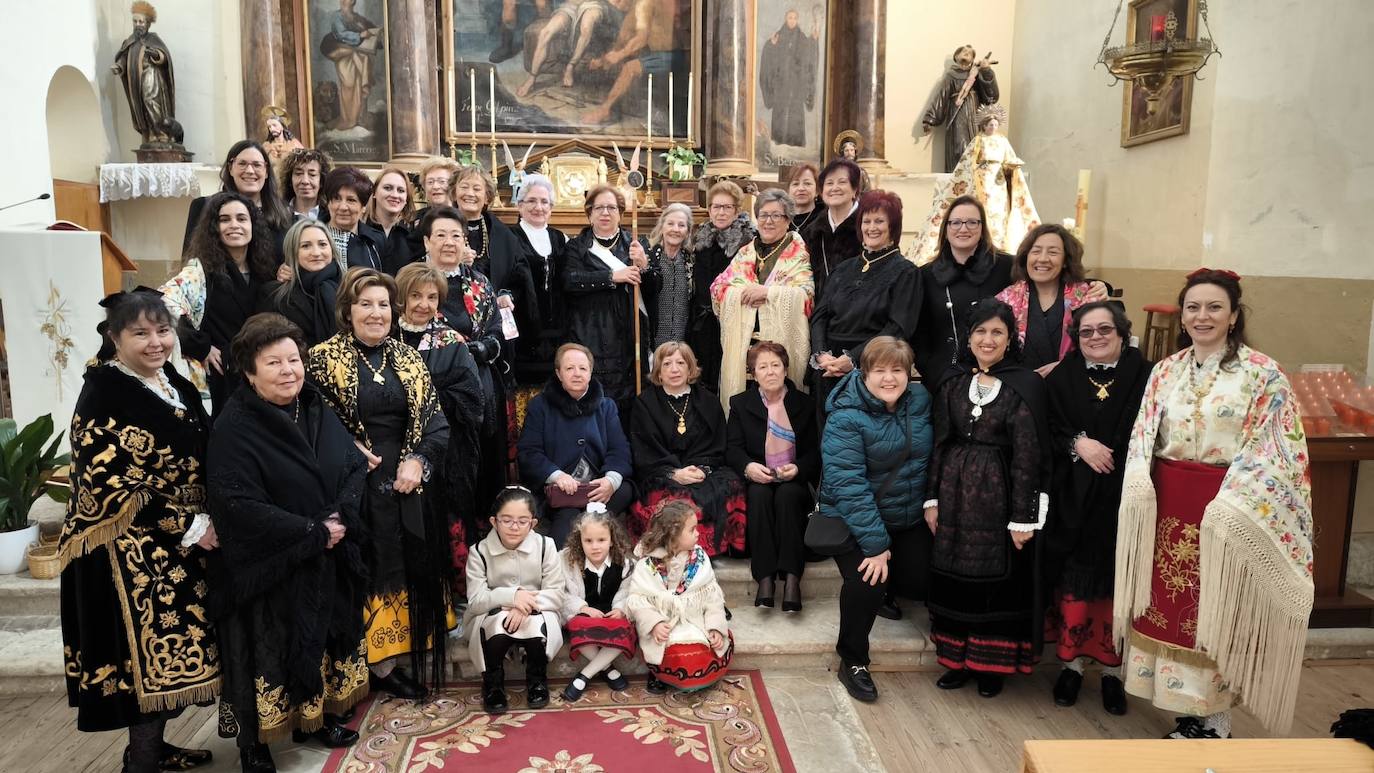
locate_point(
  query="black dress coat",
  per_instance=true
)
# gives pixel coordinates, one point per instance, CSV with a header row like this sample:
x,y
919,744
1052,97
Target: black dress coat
x,y
712,249
365,247
310,303
599,314
230,299
503,262
396,249
828,249
942,330
747,428
198,207
545,325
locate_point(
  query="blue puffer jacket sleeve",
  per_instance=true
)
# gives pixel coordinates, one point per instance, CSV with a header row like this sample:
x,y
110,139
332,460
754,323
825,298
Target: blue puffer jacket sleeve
x,y
845,480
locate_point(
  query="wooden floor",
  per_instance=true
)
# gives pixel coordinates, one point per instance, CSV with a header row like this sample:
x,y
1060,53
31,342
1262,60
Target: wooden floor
x,y
917,727
914,726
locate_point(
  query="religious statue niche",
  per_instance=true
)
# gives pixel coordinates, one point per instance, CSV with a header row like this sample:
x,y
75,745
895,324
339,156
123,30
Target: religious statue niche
x,y
549,70
144,67
348,75
849,144
965,86
1148,115
277,138
789,100
991,172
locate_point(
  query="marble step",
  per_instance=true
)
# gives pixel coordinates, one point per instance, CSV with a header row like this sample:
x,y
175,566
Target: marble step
x,y
821,580
23,596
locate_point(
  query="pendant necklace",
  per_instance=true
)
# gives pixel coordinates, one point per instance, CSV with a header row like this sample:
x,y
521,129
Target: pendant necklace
x,y
1102,393
868,262
377,374
1200,391
482,226
981,395
681,417
783,242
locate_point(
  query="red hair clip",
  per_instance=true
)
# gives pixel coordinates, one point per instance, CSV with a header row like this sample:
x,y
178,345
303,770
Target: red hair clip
x,y
1233,276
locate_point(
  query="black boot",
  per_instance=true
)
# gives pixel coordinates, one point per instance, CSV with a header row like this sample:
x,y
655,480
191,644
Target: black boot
x,y
494,691
1113,695
536,676
509,46
257,759
1066,688
889,608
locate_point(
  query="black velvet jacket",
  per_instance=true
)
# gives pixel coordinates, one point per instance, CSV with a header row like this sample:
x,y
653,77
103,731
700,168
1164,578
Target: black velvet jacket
x,y
748,425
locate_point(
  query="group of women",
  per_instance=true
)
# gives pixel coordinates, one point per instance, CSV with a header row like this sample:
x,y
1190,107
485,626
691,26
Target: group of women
x,y
779,366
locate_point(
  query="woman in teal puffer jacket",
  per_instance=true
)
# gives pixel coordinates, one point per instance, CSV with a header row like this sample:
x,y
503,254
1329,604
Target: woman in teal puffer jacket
x,y
875,448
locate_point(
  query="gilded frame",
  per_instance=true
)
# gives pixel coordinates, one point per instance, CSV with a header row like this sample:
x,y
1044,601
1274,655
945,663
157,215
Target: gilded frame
x,y
1180,96
309,128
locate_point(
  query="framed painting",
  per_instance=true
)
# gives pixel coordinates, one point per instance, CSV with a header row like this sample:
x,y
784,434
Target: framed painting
x,y
789,97
1145,117
553,70
347,72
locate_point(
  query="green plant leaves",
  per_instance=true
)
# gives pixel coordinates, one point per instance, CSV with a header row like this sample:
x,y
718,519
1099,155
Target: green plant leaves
x,y
26,468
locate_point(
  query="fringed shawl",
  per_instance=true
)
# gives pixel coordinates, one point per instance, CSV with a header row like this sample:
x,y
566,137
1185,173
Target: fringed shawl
x,y
1017,296
1255,567
696,600
783,319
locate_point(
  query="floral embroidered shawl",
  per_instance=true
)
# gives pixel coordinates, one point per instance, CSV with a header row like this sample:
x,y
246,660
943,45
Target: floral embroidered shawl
x,y
1017,296
184,295
1255,576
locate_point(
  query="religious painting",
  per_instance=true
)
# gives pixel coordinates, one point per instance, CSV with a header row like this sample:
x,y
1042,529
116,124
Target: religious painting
x,y
1154,114
349,88
789,97
550,70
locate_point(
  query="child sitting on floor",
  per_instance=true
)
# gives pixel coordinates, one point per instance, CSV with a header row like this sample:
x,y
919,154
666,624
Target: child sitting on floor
x,y
596,564
515,593
677,605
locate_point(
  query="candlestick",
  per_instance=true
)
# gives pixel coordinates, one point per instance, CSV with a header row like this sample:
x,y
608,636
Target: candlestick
x,y
670,111
472,94
492,89
495,181
649,114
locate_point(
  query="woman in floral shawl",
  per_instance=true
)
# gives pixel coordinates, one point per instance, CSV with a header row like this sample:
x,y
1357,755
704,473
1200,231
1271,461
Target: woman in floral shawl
x,y
1217,474
1048,267
764,295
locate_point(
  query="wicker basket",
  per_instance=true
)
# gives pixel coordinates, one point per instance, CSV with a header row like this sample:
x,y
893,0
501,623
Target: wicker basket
x,y
43,564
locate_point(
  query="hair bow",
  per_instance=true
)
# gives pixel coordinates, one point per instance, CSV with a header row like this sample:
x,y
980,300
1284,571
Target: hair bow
x,y
114,299
517,488
596,507
1233,276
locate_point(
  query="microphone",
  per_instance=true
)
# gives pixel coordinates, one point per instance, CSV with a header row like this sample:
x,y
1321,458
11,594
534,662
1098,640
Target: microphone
x,y
39,197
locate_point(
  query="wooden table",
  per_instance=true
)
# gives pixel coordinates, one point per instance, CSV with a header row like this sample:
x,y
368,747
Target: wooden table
x,y
1259,755
1335,465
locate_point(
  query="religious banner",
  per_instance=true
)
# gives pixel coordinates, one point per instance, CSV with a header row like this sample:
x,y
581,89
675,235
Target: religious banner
x,y
348,79
1146,117
551,70
789,97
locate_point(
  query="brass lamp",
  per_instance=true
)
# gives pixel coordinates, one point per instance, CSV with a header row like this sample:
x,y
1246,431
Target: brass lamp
x,y
1153,65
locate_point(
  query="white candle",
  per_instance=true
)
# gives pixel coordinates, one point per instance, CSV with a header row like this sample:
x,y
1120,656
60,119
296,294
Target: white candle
x,y
492,89
670,108
472,94
690,92
452,122
649,114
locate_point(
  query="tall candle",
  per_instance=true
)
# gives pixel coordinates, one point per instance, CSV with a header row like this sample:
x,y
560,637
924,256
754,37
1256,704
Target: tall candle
x,y
472,95
689,105
452,112
492,88
1085,177
649,114
670,108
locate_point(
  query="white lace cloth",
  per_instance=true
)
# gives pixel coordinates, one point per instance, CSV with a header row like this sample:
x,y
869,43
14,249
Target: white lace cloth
x,y
119,182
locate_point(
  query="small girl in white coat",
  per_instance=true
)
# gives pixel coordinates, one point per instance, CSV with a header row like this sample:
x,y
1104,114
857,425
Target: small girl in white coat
x,y
596,567
515,596
677,606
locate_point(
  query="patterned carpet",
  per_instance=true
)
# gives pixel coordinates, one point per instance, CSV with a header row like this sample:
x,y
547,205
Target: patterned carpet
x,y
727,727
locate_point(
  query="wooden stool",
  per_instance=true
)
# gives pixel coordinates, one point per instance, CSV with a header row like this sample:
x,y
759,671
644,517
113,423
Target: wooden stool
x,y
1161,337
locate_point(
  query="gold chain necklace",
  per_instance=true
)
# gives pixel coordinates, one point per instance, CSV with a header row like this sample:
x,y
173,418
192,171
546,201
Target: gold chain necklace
x,y
1199,392
486,242
681,417
615,240
869,262
377,374
786,239
1102,393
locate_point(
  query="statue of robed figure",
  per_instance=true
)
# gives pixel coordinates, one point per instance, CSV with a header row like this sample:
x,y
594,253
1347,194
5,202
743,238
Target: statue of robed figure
x,y
965,86
144,67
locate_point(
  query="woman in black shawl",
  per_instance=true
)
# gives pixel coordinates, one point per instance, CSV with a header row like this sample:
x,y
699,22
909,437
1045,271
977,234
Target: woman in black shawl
x,y
288,589
381,390
307,297
136,522
677,440
498,254
1094,397
421,291
986,498
712,246
543,247
832,237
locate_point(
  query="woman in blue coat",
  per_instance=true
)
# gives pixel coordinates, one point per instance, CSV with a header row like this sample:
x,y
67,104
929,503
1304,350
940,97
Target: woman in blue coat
x,y
875,447
573,447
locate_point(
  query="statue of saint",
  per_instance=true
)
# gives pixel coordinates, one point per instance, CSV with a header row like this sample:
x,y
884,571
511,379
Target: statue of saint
x,y
279,141
144,65
966,86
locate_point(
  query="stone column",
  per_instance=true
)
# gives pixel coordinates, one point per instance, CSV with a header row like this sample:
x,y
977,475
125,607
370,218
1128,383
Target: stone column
x,y
268,45
854,82
727,107
413,46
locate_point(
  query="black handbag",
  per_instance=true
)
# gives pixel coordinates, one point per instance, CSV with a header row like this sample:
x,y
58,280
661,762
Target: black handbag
x,y
831,536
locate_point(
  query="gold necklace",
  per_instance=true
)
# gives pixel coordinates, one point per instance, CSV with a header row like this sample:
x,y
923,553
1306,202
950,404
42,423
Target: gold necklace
x,y
869,262
783,242
615,240
482,223
377,374
1199,392
1102,393
681,417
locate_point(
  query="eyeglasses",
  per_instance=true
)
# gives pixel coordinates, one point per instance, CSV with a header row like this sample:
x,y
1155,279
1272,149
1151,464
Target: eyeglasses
x,y
957,225
768,217
256,166
536,202
606,208
1102,330
514,523
723,207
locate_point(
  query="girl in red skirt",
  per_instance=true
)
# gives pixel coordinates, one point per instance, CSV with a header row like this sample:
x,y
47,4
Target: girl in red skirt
x,y
677,606
596,567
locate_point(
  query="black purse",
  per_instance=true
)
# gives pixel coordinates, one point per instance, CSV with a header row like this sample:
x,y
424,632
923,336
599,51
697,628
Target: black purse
x,y
831,536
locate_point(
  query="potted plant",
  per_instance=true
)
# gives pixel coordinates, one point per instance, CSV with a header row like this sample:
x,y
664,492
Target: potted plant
x,y
26,471
681,162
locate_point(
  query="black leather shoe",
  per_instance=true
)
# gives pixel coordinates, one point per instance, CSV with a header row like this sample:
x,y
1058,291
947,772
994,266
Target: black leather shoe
x,y
332,735
573,692
393,684
989,685
858,682
889,609
764,597
536,676
348,715
1066,687
494,691
654,686
791,594
615,680
1113,695
257,759
177,758
953,679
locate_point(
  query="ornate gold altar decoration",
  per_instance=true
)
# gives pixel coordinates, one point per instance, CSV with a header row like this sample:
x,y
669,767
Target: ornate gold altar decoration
x,y
573,175
59,334
1155,64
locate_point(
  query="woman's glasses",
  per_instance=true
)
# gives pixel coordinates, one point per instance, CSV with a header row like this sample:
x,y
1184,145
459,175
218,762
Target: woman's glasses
x,y
1101,330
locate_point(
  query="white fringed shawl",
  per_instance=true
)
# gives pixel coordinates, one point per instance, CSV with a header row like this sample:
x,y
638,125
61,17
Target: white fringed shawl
x,y
691,614
1255,567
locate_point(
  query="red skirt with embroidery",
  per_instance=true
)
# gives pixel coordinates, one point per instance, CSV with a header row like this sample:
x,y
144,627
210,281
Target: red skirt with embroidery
x,y
1081,628
588,631
692,666
719,500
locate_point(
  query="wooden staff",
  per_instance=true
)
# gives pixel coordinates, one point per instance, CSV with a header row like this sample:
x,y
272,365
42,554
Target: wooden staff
x,y
634,303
